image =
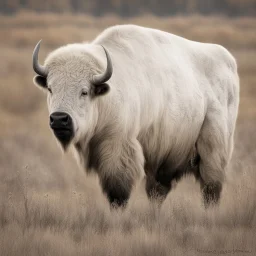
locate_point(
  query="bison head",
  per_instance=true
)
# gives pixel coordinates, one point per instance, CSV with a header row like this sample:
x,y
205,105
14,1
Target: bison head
x,y
73,77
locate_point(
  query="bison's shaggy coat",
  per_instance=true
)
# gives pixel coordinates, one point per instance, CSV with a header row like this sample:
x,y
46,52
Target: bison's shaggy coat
x,y
169,97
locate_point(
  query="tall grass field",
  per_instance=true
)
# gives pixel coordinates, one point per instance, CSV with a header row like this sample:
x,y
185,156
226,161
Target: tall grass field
x,y
48,206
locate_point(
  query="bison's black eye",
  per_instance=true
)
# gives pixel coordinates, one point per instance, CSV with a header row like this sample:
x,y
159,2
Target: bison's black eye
x,y
84,93
49,89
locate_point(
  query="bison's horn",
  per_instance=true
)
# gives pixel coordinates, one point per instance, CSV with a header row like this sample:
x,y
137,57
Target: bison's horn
x,y
102,78
39,69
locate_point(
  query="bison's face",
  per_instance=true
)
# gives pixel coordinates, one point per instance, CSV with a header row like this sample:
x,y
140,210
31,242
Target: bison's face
x,y
72,105
72,97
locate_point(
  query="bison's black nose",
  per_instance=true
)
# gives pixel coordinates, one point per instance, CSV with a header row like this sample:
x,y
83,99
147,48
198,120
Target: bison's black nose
x,y
60,120
62,126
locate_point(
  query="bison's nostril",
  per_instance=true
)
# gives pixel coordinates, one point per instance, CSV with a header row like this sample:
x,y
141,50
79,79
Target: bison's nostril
x,y
65,119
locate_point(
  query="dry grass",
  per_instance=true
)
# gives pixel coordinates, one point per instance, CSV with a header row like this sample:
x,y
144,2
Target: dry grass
x,y
49,207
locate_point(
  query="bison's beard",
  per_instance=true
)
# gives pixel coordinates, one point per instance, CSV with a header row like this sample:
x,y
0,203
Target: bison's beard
x,y
64,136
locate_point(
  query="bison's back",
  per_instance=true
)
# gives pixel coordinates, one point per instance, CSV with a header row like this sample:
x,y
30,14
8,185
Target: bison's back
x,y
166,79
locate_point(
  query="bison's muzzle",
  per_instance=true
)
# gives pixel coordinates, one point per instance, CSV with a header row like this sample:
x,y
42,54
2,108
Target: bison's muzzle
x,y
62,126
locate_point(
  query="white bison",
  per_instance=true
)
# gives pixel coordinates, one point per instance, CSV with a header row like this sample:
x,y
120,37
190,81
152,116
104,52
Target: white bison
x,y
166,100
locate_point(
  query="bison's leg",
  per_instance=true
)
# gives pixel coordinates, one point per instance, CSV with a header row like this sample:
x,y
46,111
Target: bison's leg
x,y
213,146
120,167
155,190
159,182
117,188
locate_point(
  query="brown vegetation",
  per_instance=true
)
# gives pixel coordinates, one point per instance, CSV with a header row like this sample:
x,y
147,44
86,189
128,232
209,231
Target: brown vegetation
x,y
49,207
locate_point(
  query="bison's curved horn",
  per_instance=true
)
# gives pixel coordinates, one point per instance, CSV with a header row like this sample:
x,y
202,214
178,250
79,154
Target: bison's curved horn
x,y
102,78
39,69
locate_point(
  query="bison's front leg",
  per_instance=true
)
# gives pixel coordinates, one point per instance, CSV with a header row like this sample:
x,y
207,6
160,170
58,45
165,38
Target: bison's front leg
x,y
117,188
121,165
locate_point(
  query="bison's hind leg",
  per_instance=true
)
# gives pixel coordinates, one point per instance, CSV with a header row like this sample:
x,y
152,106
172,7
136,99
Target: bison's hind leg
x,y
211,193
213,146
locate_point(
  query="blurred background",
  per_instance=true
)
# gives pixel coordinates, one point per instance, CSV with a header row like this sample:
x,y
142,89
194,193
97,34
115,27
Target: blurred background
x,y
30,160
134,8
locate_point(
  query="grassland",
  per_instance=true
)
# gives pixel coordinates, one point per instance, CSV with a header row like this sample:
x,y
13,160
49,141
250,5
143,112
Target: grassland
x,y
47,204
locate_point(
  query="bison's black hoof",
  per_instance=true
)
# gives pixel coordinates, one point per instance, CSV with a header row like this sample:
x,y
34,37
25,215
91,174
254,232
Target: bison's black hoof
x,y
211,194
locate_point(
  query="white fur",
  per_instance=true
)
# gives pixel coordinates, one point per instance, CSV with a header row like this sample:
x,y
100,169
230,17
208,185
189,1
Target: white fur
x,y
166,95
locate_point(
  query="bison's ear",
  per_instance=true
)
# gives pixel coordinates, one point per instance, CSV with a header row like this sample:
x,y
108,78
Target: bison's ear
x,y
40,81
101,89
